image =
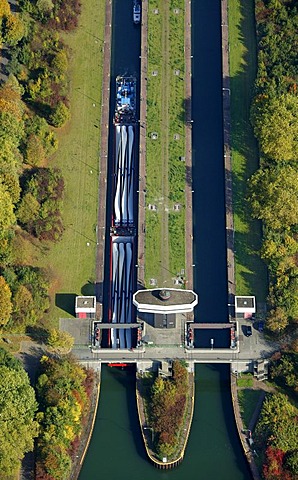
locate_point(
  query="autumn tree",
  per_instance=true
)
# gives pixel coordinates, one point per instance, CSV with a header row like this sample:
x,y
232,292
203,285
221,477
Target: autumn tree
x,y
63,398
276,126
278,424
60,341
167,409
34,153
17,425
274,196
13,29
4,9
60,115
5,303
23,307
39,208
277,319
7,216
28,210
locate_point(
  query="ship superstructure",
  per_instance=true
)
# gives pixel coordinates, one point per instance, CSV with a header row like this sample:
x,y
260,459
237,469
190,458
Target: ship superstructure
x,y
136,12
125,110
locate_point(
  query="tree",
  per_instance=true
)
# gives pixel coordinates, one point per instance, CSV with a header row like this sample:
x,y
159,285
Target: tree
x,y
35,153
278,424
28,210
292,461
7,217
276,126
60,115
277,319
10,158
63,399
10,181
38,127
13,29
45,8
60,64
23,306
11,128
5,303
274,196
60,341
4,8
17,425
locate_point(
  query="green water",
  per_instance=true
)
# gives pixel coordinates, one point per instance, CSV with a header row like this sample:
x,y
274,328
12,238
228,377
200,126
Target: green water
x,y
117,452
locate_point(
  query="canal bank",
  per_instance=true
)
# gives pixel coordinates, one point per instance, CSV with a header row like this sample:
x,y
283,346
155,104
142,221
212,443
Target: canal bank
x,y
230,233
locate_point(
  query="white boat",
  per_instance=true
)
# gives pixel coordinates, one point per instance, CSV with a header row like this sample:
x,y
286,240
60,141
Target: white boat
x,y
136,12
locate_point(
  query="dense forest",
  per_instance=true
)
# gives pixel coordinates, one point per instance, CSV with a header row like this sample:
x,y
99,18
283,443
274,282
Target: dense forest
x,y
18,407
54,415
33,103
63,391
274,200
274,187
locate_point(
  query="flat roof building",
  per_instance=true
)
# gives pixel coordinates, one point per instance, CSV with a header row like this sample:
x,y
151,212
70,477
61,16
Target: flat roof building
x,y
85,307
166,301
245,305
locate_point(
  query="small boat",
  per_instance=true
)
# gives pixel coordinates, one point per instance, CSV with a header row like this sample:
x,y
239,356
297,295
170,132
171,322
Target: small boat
x,y
136,12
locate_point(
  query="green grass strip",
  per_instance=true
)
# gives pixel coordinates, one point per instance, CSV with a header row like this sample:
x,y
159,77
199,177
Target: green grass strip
x,y
71,262
165,116
251,274
248,400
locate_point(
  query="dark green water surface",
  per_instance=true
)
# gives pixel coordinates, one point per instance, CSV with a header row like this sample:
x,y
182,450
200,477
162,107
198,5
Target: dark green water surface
x,y
116,450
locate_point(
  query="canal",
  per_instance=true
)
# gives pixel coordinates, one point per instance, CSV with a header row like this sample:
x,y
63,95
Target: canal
x,y
116,450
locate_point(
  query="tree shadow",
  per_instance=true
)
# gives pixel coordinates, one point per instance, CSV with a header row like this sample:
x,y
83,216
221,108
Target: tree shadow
x,y
98,291
185,111
188,175
66,301
38,334
247,242
89,289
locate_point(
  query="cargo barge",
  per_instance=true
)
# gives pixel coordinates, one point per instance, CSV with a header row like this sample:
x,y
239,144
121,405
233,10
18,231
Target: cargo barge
x,y
123,231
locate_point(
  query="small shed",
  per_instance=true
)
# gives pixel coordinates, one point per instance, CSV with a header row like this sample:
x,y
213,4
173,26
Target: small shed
x,y
85,307
245,306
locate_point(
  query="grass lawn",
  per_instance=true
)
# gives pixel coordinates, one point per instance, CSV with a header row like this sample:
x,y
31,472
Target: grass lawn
x,y
248,400
245,381
251,274
165,235
71,262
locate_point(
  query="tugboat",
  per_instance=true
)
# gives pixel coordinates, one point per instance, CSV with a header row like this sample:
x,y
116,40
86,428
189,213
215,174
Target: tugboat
x,y
136,12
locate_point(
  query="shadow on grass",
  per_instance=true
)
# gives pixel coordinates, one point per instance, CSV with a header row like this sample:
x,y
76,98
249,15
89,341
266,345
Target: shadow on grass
x,y
66,301
248,241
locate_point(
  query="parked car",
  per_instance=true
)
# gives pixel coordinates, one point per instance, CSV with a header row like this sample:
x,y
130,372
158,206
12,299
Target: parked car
x,y
261,326
248,332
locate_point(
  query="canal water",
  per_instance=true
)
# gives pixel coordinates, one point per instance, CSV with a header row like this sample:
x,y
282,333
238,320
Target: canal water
x,y
116,450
